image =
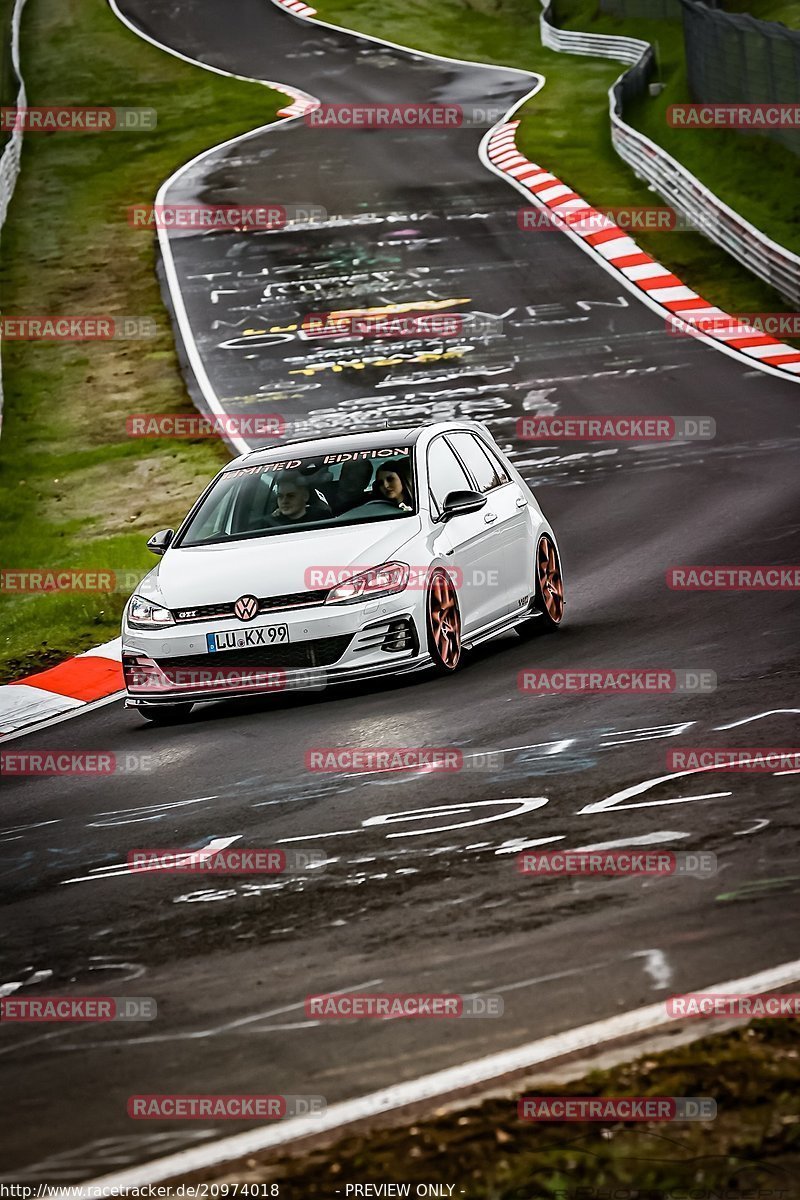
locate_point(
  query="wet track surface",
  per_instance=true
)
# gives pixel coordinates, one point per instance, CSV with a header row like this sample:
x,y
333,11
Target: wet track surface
x,y
417,900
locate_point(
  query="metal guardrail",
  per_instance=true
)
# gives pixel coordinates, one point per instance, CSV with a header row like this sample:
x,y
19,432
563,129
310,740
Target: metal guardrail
x,y
696,203
10,158
599,45
736,58
12,150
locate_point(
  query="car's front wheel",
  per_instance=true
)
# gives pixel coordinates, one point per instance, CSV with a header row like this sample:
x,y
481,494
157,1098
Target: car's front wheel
x,y
549,591
165,714
443,618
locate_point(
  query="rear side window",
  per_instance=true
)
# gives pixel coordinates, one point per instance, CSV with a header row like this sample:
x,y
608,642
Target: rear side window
x,y
501,472
445,473
486,469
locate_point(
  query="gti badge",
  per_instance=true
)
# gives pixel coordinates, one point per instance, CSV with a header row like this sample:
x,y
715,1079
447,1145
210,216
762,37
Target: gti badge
x,y
245,608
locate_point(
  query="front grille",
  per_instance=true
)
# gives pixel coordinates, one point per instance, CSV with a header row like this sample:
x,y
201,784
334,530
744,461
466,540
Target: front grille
x,y
321,652
212,612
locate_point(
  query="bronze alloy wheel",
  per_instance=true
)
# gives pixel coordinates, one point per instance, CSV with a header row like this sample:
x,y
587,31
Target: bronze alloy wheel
x,y
549,585
444,623
549,595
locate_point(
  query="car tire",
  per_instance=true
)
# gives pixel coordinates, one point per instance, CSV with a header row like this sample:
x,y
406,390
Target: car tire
x,y
549,592
166,714
443,623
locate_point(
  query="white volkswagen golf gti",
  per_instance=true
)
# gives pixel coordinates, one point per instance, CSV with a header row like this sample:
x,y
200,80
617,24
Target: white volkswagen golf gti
x,y
342,558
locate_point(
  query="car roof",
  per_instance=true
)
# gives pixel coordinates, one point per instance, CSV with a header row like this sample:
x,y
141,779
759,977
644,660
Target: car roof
x,y
375,439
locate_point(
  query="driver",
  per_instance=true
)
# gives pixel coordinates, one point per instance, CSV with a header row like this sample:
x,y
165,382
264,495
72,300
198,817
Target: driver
x,y
295,502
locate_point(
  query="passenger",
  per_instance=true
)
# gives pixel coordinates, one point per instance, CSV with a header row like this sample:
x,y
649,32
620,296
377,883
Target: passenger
x,y
393,484
296,503
351,488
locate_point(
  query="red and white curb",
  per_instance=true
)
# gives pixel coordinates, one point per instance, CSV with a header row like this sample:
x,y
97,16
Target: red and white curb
x,y
297,7
301,101
67,688
638,270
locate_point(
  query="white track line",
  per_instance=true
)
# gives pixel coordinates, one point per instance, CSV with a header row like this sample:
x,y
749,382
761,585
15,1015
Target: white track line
x,y
195,359
187,334
595,252
596,256
439,1086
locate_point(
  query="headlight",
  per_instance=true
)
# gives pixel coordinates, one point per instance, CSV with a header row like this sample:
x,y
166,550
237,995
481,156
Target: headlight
x,y
378,581
143,614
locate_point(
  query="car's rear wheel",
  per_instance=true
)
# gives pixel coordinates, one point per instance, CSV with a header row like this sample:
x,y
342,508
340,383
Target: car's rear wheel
x,y
444,623
549,593
165,714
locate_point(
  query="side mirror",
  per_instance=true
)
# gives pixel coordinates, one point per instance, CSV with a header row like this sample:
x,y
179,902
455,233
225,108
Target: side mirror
x,y
457,503
160,541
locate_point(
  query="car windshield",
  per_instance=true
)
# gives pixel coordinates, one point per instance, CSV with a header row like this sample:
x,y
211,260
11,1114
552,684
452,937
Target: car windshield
x,y
340,488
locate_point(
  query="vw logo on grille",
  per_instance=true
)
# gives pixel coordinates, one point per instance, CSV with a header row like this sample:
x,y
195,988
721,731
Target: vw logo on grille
x,y
245,608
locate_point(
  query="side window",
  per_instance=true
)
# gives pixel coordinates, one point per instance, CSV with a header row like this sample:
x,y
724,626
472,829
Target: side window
x,y
487,472
217,512
253,505
445,473
501,473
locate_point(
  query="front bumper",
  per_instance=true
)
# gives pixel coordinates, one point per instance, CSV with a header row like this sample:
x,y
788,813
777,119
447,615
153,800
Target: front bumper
x,y
327,645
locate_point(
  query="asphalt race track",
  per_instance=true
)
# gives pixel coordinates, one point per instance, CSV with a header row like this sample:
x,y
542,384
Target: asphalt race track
x,y
422,892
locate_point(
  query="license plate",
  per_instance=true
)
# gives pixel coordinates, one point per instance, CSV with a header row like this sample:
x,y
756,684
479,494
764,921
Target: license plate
x,y
248,639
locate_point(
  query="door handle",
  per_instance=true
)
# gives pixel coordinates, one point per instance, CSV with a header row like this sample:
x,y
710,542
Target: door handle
x,y
521,502
490,518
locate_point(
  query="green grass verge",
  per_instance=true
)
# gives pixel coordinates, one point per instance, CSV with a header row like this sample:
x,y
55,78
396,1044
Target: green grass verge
x,y
565,127
75,491
755,175
751,1149
9,84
